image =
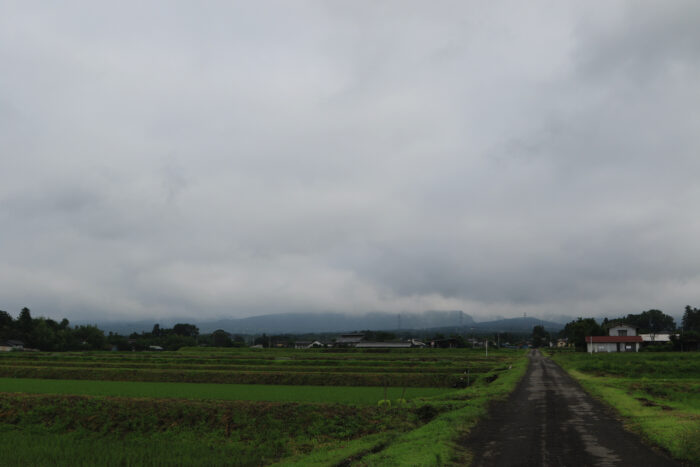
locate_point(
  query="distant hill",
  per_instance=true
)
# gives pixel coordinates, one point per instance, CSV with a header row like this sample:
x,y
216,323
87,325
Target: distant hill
x,y
336,322
517,325
303,323
299,323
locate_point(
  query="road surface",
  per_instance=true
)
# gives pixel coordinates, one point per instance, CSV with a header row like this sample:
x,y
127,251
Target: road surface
x,y
550,421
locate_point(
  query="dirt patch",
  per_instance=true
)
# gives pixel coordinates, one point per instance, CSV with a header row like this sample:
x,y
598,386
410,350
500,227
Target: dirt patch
x,y
649,403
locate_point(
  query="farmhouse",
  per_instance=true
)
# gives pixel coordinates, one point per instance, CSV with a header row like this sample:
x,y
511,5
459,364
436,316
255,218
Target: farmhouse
x,y
390,345
620,338
448,343
561,344
383,345
10,345
349,340
357,340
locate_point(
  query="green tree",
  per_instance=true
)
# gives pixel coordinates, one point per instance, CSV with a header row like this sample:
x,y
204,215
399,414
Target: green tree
x,y
25,322
42,336
90,337
691,319
651,322
6,325
221,338
120,342
187,330
540,337
5,319
173,341
262,340
238,341
577,330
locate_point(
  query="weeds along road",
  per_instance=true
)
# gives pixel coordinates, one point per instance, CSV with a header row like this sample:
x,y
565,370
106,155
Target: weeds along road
x,y
550,421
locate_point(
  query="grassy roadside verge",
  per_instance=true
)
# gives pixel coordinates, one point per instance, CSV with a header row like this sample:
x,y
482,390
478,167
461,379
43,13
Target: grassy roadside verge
x,y
436,442
664,411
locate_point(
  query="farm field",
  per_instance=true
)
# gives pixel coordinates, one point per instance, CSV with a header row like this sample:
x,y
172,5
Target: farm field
x,y
423,368
372,408
658,394
241,392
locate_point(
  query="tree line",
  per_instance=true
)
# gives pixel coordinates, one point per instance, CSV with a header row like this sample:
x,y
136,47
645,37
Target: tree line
x,y
49,335
685,337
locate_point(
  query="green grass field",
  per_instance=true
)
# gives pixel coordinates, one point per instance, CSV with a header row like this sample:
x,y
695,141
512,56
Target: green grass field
x,y
241,392
115,414
658,394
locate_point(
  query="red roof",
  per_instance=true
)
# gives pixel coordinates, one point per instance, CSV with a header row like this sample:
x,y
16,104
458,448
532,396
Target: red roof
x,y
613,339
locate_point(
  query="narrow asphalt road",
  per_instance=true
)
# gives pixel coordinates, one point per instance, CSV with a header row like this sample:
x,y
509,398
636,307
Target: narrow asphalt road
x,y
550,421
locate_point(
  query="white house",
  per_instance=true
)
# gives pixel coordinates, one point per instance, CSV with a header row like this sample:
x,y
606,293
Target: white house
x,y
622,330
620,338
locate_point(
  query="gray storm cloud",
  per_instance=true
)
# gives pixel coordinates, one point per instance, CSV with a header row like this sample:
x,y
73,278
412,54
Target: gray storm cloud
x,y
231,159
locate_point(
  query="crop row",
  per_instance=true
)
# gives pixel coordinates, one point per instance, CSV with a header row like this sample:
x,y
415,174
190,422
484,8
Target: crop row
x,y
254,433
427,357
145,358
638,365
120,415
31,357
422,379
243,368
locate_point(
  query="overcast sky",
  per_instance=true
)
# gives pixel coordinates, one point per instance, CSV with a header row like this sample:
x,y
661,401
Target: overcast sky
x,y
228,159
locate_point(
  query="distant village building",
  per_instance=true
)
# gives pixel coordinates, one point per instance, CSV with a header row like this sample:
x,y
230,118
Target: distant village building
x,y
307,344
448,343
349,340
11,344
620,338
411,343
357,341
562,343
383,345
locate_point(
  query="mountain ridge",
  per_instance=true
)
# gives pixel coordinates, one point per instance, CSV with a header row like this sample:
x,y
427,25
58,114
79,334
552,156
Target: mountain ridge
x,y
302,323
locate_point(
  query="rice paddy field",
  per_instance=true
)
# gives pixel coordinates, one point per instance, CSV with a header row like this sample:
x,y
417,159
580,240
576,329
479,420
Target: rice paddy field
x,y
658,394
247,406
